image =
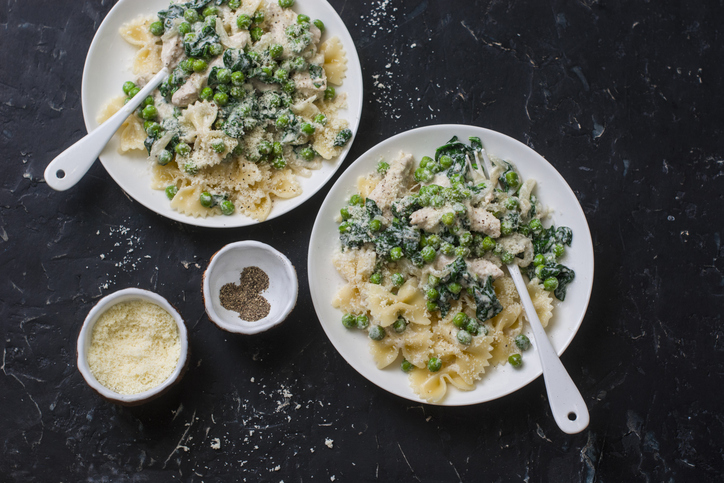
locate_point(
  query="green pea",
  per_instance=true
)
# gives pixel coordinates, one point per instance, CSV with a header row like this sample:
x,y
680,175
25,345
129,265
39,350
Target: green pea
x,y
223,88
431,306
289,87
164,157
432,294
362,321
473,326
206,199
191,169
345,213
219,146
377,333
277,148
397,279
447,248
182,149
454,287
215,49
462,252
433,281
234,4
396,254
128,86
221,98
307,154
279,162
460,320
446,161
558,250
209,11
406,365
307,128
400,325
282,121
258,16
243,21
425,162
319,24
437,201
434,241
434,364
286,3
156,28
329,93
423,175
515,360
511,178
344,227
149,113
298,63
428,254
507,258
134,91
223,76
448,219
356,200
200,65
237,78
206,93
256,33
152,128
191,15
184,28
227,207
511,203
382,167
464,337
506,227
550,284
320,119
276,51
301,18
237,92
171,191
187,65
349,321
488,244
466,239
539,260
376,278
523,342
375,225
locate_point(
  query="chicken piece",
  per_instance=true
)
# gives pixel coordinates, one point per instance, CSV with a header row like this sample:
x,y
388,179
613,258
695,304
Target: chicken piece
x,y
483,221
428,218
392,186
189,92
483,268
308,86
172,51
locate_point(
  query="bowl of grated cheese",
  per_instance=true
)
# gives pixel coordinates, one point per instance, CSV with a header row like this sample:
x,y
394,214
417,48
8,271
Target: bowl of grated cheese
x,y
133,347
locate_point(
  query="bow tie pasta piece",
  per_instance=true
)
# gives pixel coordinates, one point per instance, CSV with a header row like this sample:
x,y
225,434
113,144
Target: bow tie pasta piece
x,y
414,343
385,307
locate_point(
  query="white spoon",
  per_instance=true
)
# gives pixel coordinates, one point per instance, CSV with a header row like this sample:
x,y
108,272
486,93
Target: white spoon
x,y
567,405
69,166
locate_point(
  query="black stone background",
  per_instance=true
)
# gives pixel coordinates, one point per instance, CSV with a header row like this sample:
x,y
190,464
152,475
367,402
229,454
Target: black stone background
x,y
622,97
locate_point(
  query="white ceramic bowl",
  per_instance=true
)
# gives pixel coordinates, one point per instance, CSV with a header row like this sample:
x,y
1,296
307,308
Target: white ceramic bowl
x,y
552,190
108,65
226,266
84,340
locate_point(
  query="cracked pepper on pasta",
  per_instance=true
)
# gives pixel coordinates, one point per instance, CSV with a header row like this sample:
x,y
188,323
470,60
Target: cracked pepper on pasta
x,y
249,105
422,253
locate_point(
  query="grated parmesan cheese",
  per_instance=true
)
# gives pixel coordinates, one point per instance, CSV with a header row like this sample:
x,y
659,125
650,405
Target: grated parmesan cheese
x,y
134,347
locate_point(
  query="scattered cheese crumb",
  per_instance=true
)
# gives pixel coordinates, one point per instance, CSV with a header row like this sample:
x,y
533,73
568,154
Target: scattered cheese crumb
x,y
216,443
329,443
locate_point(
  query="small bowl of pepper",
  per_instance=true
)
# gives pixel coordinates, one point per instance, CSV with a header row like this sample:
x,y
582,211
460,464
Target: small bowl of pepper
x,y
249,287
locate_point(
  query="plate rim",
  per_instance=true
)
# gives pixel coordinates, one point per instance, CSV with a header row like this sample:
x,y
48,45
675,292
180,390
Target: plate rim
x,y
354,119
315,292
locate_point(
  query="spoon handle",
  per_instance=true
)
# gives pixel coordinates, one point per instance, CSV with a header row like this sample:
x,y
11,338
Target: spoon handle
x,y
567,405
69,166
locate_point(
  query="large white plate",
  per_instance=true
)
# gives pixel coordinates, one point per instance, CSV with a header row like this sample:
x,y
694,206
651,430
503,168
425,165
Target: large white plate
x,y
107,67
552,190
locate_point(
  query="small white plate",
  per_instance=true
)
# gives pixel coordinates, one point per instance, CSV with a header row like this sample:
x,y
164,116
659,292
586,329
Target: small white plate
x,y
226,266
552,190
107,67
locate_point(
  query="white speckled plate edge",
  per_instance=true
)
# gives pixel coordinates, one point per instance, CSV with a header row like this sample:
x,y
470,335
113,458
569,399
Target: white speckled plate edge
x,y
552,190
107,67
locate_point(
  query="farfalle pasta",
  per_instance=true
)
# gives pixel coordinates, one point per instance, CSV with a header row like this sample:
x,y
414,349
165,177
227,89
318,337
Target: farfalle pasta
x,y
422,252
251,83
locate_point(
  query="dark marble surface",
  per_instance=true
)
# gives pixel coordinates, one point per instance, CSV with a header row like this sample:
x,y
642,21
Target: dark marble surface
x,y
623,98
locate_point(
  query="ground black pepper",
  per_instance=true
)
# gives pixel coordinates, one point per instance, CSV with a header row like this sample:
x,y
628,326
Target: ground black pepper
x,y
245,298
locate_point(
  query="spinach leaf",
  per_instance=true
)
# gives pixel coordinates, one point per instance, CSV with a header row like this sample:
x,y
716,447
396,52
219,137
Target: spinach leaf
x,y
236,60
343,137
197,44
172,12
487,303
403,208
563,274
458,152
173,82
